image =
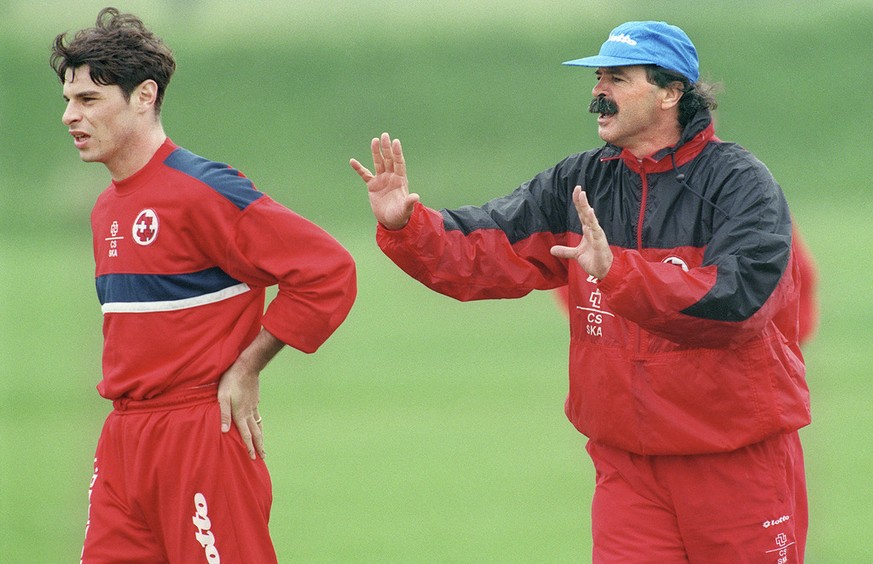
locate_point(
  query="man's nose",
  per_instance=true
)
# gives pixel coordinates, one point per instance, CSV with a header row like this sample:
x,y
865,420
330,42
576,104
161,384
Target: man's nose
x,y
598,89
71,115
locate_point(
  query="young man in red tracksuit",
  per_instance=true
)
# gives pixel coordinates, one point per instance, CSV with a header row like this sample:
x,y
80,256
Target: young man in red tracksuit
x,y
184,249
685,369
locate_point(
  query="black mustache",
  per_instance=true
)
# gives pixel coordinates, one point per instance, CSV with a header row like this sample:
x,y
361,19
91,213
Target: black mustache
x,y
602,105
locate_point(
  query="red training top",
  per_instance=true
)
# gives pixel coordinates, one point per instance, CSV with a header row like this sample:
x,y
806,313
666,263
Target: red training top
x,y
184,250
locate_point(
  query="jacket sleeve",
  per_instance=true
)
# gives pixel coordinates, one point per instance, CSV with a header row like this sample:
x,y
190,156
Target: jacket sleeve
x,y
498,250
271,245
745,280
808,286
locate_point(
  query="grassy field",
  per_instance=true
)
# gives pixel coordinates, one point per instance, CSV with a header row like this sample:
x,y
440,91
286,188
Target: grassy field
x,y
426,430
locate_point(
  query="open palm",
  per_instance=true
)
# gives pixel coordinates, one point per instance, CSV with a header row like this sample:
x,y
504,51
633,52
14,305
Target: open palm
x,y
592,253
388,188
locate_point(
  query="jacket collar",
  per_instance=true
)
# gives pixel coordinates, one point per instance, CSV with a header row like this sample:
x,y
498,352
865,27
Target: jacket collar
x,y
696,135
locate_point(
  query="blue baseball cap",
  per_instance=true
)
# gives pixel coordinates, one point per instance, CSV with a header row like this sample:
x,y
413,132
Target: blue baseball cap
x,y
646,43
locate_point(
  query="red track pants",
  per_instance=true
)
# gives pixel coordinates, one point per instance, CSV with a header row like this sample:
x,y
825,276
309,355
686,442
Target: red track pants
x,y
170,487
743,506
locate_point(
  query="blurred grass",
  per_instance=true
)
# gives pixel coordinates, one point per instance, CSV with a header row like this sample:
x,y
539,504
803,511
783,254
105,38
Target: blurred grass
x,y
425,430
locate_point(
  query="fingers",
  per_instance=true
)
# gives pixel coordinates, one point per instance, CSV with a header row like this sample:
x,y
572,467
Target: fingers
x,y
590,225
249,426
397,157
378,160
252,435
255,444
387,157
594,254
580,200
258,436
245,434
362,171
391,155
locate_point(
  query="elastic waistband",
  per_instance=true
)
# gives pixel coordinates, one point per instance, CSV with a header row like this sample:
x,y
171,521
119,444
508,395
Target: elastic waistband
x,y
170,400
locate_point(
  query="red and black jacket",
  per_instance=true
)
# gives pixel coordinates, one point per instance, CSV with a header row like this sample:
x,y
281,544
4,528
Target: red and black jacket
x,y
690,343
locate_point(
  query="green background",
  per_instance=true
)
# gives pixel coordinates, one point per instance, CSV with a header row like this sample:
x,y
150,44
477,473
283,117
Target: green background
x,y
425,430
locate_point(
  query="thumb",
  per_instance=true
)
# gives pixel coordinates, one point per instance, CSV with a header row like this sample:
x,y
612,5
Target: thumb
x,y
409,203
224,404
562,252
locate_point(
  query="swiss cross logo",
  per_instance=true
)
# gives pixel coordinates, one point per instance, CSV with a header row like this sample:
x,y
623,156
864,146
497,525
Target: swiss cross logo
x,y
145,228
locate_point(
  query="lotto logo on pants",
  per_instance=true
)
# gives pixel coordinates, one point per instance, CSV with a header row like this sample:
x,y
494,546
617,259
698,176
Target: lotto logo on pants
x,y
203,535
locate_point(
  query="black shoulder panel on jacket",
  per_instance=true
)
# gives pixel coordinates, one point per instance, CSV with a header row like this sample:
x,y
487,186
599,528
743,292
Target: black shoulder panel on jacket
x,y
751,245
538,206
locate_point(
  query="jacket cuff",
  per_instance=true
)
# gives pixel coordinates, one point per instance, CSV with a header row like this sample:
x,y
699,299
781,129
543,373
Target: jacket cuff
x,y
616,273
408,231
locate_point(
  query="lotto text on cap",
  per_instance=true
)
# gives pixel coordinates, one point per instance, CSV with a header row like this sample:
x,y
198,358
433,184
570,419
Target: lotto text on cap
x,y
646,43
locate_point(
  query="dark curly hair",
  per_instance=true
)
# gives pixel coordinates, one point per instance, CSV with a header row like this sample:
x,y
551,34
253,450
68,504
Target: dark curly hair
x,y
118,50
696,96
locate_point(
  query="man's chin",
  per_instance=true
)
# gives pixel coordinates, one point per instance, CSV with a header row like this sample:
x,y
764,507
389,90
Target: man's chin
x,y
605,121
605,132
89,157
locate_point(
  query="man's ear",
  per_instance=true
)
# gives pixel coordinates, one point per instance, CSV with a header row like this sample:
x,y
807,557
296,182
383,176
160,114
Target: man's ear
x,y
146,94
673,92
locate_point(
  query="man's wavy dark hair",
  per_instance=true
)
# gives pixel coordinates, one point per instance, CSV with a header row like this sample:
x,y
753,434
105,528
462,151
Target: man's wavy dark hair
x,y
117,50
697,96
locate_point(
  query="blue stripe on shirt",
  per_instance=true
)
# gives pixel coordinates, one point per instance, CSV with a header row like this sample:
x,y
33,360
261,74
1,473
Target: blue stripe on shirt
x,y
145,288
222,178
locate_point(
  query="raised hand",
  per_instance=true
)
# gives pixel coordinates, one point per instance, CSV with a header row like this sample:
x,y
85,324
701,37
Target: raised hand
x,y
388,189
592,253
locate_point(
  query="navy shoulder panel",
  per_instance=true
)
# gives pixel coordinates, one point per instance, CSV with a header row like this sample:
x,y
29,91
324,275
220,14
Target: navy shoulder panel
x,y
221,177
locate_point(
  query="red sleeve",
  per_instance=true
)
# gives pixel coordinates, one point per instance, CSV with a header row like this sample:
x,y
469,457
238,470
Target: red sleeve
x,y
653,295
474,265
808,287
316,276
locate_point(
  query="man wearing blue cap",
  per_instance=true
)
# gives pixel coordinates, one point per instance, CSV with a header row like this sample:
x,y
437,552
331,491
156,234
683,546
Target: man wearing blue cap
x,y
685,370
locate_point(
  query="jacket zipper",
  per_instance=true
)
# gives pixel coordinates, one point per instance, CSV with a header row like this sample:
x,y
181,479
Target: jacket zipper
x,y
642,215
643,199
